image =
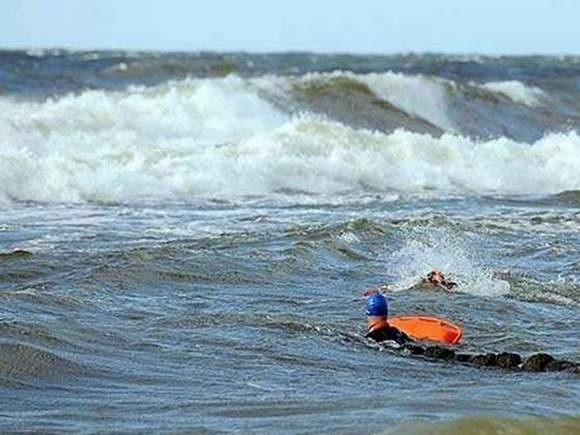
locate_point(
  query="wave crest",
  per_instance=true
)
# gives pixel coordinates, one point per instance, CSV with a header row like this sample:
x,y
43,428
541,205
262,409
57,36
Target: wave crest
x,y
305,154
516,91
419,96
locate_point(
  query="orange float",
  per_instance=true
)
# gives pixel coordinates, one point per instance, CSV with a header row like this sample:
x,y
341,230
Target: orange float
x,y
428,328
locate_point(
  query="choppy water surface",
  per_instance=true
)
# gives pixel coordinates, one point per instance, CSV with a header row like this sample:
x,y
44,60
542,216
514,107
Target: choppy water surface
x,y
184,239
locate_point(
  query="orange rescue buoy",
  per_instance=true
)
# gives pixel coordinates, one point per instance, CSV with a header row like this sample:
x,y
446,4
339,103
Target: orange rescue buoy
x,y
428,328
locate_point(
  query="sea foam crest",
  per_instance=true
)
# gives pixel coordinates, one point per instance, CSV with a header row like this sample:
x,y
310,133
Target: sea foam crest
x,y
517,92
315,155
210,111
220,137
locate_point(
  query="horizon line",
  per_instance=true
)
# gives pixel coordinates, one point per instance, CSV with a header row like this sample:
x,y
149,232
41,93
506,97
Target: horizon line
x,y
290,51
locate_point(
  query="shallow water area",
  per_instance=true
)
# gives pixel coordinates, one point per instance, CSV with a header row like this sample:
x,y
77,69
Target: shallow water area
x,y
250,317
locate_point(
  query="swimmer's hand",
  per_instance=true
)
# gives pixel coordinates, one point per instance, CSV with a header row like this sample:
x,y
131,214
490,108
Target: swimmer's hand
x,y
447,286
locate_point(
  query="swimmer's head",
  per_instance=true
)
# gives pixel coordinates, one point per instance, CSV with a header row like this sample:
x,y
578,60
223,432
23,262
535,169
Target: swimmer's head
x,y
436,277
377,306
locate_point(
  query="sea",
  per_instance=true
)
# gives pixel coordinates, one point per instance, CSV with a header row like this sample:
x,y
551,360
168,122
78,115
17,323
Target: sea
x,y
185,238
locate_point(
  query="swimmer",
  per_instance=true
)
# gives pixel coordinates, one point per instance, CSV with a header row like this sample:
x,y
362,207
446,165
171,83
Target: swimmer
x,y
434,280
378,325
380,330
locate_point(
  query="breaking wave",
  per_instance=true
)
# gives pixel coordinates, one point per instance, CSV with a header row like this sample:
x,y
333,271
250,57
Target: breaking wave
x,y
517,92
234,137
416,95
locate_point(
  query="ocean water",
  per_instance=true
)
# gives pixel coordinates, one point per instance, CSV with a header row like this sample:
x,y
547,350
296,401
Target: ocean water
x,y
184,239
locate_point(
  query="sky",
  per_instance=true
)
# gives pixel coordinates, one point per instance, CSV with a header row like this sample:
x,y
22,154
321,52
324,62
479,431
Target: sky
x,y
356,26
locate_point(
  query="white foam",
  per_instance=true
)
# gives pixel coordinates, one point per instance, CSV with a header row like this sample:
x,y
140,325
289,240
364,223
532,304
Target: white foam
x,y
314,155
115,145
205,138
517,92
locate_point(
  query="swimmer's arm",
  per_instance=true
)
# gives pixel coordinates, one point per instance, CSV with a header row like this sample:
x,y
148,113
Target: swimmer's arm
x,y
442,287
367,292
402,338
448,286
375,290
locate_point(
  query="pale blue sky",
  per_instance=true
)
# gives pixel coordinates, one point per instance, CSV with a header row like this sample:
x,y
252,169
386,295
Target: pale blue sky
x,y
362,26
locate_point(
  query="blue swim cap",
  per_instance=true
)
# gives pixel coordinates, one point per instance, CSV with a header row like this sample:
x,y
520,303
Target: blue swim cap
x,y
377,306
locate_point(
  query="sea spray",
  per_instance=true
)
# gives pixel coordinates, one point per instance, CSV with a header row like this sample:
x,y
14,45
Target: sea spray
x,y
432,247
